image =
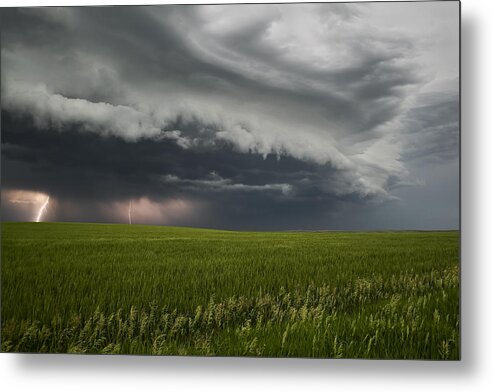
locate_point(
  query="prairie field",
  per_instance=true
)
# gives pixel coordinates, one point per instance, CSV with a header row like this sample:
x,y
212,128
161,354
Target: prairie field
x,y
132,289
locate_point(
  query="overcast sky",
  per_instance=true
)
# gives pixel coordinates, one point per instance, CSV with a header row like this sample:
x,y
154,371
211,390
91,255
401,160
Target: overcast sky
x,y
260,117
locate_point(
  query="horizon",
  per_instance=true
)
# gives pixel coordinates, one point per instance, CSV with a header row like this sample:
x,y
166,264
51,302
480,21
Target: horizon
x,y
238,230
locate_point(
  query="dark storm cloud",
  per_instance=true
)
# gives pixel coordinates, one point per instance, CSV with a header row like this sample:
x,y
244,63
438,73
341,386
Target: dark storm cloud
x,y
92,172
432,129
270,115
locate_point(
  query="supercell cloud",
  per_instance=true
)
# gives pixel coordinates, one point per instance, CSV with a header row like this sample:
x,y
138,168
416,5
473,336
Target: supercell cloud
x,y
300,116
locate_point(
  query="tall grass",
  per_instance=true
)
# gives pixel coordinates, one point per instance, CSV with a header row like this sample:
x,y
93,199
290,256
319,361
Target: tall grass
x,y
155,290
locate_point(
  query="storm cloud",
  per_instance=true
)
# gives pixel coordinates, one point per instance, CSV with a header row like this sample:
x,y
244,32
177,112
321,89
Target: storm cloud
x,y
280,116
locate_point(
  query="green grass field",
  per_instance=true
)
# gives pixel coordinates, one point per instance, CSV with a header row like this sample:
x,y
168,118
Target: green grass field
x,y
100,288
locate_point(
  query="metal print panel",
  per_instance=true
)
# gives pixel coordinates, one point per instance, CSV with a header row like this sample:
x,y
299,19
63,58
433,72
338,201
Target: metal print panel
x,y
272,180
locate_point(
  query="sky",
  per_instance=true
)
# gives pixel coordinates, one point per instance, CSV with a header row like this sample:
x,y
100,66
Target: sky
x,y
338,116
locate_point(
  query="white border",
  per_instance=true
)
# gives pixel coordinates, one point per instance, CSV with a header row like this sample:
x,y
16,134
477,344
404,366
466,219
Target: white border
x,y
92,373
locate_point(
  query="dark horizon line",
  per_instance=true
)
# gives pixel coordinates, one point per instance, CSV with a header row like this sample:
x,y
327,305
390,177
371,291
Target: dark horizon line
x,y
242,230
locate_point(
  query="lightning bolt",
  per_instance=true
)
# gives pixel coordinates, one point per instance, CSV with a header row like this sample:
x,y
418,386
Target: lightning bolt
x,y
42,209
130,213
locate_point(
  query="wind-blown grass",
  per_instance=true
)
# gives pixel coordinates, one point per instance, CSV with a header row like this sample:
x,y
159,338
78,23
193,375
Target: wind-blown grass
x,y
158,290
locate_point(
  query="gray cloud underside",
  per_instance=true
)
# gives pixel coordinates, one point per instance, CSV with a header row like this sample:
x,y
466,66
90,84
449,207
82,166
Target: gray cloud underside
x,y
308,103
